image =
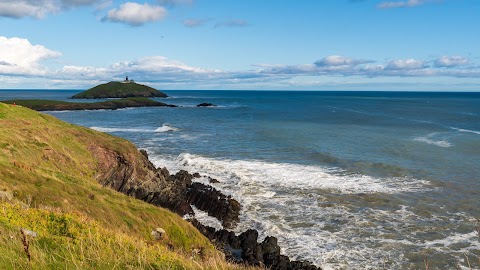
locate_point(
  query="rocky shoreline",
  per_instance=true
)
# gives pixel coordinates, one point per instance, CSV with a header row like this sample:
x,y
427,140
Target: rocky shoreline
x,y
134,175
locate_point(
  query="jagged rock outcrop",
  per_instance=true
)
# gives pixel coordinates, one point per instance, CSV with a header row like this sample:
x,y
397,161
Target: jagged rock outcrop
x,y
134,175
131,172
245,248
215,203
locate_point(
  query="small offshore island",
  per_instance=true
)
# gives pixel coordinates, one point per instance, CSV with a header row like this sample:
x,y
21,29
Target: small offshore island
x,y
130,94
124,89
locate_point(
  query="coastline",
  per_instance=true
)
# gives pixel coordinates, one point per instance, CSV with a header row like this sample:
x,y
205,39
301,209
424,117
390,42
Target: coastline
x,y
129,171
292,197
56,105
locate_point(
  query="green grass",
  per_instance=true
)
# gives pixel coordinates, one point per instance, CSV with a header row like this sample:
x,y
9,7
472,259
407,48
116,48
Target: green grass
x,y
48,170
120,90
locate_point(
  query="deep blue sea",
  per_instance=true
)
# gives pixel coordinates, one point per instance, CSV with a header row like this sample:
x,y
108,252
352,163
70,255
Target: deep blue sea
x,y
347,180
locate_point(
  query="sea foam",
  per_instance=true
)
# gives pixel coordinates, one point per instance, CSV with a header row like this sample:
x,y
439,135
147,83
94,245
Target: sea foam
x,y
284,200
466,130
300,176
429,139
163,128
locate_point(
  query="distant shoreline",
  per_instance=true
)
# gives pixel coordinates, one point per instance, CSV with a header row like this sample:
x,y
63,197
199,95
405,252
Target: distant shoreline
x,y
56,105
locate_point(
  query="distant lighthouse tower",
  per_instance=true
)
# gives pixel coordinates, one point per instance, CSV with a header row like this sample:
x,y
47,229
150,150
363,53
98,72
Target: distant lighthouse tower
x,y
126,80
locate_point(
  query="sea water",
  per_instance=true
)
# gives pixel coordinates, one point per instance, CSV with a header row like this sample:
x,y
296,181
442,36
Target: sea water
x,y
347,180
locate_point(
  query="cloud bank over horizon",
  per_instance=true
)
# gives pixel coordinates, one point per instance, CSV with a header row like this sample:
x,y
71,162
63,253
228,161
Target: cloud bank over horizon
x,y
20,58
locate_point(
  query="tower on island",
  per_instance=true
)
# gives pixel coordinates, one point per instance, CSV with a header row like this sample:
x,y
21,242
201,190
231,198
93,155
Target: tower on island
x,y
127,80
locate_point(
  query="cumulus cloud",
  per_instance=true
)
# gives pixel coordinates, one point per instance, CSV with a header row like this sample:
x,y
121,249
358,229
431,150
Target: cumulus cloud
x,y
401,4
19,57
336,60
451,61
136,14
407,64
27,8
38,8
232,23
195,22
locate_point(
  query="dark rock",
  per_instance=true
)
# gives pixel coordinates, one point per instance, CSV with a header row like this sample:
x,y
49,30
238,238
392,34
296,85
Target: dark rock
x,y
196,175
215,203
270,246
244,248
248,238
213,180
144,153
133,174
208,231
206,105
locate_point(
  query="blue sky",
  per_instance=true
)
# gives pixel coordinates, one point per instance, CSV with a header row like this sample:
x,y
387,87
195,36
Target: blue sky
x,y
425,45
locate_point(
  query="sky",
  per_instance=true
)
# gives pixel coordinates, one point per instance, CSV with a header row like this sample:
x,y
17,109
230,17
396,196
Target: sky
x,y
406,45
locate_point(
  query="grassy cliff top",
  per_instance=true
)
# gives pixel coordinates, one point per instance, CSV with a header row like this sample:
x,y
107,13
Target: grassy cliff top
x,y
47,185
120,90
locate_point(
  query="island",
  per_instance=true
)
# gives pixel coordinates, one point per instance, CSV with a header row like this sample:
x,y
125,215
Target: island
x,y
58,105
124,89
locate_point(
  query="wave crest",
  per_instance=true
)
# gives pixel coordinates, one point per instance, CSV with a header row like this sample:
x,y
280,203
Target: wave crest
x,y
163,128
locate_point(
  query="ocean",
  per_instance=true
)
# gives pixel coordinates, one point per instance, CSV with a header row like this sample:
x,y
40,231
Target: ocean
x,y
346,180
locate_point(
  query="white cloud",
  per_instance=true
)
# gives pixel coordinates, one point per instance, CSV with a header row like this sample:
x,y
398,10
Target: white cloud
x,y
155,64
27,8
21,62
407,64
195,22
451,61
38,8
136,14
401,4
336,60
20,57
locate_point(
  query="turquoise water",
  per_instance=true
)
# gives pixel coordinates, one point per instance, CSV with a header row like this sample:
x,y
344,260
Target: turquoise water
x,y
345,179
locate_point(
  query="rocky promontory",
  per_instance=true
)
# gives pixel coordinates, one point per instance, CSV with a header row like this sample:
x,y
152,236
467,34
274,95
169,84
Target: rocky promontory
x,y
136,176
57,105
124,89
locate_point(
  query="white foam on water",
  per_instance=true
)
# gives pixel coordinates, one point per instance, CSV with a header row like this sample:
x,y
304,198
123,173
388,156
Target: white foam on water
x,y
429,140
166,128
114,129
291,202
466,130
163,128
472,239
303,177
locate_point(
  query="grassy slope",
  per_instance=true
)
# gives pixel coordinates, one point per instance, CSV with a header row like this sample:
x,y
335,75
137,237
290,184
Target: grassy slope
x,y
120,90
51,105
45,164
